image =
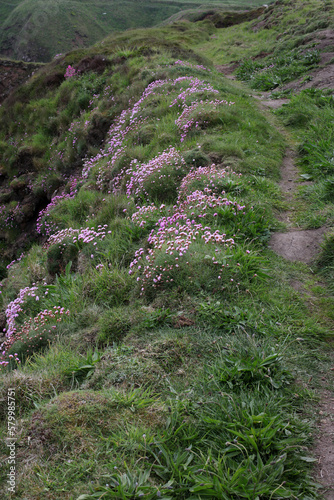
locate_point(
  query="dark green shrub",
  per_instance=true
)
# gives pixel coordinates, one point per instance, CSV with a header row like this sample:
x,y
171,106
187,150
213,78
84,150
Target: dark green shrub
x,y
196,158
110,287
59,255
113,325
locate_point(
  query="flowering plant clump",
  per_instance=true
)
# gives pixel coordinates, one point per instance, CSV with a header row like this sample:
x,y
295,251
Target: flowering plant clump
x,y
192,115
127,122
10,216
115,147
157,178
78,236
207,178
182,91
64,247
146,215
15,261
31,334
44,224
174,236
70,72
193,86
189,65
15,307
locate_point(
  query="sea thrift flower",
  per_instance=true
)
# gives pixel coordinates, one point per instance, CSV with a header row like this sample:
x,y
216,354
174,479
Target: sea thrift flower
x,y
182,90
70,72
31,330
174,235
15,307
191,115
44,224
78,236
210,178
164,165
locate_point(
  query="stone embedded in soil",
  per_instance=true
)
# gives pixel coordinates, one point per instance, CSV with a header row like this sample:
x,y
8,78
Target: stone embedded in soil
x,y
298,245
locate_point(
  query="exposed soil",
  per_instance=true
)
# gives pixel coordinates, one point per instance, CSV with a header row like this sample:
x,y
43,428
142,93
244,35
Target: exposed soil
x,y
289,175
13,74
324,449
227,70
299,245
320,78
303,246
296,244
274,103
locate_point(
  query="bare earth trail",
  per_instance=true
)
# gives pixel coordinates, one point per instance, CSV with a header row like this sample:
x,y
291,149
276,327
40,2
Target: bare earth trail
x,y
304,245
296,244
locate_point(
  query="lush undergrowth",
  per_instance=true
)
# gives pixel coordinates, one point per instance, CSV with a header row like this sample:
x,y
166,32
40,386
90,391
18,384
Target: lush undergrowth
x,y
272,72
154,343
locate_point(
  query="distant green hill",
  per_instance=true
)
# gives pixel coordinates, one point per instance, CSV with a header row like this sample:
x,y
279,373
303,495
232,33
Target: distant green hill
x,y
37,30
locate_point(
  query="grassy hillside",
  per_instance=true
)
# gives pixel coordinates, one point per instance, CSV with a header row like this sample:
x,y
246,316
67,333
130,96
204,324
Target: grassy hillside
x,y
154,345
36,30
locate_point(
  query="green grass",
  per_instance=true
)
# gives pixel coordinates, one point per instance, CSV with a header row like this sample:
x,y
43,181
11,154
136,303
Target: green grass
x,y
274,72
272,38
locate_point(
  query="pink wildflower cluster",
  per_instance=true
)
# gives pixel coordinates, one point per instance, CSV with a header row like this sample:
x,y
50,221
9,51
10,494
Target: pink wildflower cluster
x,y
82,235
193,86
15,261
186,121
146,214
175,234
33,329
73,131
130,119
163,164
266,68
70,72
189,65
9,216
115,147
43,224
15,307
208,177
127,122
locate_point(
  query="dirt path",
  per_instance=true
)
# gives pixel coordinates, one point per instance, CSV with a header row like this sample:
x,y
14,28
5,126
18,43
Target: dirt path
x,y
295,244
323,450
304,245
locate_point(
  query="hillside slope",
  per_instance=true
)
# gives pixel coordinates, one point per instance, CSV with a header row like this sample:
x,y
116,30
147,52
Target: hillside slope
x,y
154,344
36,30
